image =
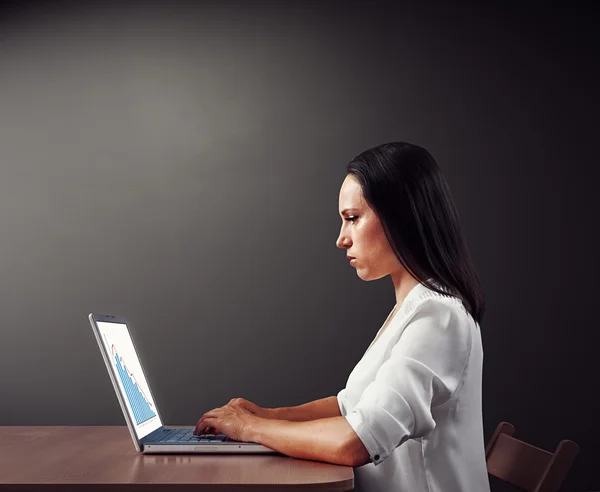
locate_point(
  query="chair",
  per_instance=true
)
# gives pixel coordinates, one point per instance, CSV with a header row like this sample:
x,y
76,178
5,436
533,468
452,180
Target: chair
x,y
529,468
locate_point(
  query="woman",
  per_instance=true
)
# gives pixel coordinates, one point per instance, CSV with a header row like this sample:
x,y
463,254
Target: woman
x,y
409,418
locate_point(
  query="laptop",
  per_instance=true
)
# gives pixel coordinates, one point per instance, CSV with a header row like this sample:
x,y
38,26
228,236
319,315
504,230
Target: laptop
x,y
138,405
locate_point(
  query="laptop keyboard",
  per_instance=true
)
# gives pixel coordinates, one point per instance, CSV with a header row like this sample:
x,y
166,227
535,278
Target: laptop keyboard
x,y
186,435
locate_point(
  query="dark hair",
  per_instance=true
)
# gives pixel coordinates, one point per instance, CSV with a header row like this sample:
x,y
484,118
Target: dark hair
x,y
405,187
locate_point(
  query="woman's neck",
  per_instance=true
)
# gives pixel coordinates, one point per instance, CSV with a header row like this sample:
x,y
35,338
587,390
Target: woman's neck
x,y
403,284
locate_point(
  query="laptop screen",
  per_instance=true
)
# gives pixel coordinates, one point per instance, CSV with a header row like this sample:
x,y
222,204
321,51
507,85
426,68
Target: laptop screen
x,y
130,378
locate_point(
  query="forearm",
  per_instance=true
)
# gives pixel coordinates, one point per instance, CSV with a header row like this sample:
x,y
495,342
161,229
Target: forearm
x,y
329,440
318,409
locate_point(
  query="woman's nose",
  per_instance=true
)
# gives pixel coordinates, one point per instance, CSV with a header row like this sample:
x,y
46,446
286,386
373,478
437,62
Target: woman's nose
x,y
342,241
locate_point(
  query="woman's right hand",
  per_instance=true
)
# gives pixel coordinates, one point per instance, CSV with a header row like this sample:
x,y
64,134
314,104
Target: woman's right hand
x,y
263,413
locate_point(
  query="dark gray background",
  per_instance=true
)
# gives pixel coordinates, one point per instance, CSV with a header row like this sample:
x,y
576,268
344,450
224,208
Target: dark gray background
x,y
180,164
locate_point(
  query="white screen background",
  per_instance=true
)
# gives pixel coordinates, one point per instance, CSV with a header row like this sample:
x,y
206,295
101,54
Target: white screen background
x,y
115,336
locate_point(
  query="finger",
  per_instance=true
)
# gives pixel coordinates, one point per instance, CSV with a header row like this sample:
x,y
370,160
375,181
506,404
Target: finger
x,y
200,426
197,427
208,427
212,413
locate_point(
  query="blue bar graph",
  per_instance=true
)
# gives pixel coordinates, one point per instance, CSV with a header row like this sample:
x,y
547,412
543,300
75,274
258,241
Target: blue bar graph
x,y
137,401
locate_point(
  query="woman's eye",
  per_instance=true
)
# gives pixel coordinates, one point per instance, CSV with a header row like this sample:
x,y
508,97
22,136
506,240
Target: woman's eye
x,y
352,218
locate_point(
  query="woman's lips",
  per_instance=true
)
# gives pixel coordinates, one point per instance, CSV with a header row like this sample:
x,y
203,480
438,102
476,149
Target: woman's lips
x,y
352,261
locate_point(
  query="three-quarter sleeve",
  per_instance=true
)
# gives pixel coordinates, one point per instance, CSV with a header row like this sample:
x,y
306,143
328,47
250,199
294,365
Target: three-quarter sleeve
x,y
424,370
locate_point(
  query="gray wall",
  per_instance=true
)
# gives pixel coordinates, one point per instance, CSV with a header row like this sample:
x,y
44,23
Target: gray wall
x,y
180,165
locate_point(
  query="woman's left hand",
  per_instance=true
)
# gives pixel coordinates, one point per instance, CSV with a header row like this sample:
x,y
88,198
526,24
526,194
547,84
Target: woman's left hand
x,y
233,421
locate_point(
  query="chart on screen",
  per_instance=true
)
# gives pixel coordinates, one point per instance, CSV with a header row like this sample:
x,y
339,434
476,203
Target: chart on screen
x,y
128,374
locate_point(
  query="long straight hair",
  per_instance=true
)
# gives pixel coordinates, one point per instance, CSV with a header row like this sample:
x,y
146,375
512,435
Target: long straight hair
x,y
405,187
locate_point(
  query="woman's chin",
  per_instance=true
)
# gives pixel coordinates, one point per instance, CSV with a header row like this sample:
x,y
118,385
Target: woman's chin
x,y
367,275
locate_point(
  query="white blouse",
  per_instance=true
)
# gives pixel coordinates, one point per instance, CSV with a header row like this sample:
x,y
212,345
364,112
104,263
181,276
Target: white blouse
x,y
414,400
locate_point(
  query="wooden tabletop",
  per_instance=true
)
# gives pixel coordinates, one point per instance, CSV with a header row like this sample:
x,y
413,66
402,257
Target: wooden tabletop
x,y
104,458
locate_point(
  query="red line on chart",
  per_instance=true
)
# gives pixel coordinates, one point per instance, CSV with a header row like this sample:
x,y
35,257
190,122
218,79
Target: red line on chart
x,y
131,375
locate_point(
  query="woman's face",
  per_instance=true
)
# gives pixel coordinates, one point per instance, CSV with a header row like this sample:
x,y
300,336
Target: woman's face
x,y
362,234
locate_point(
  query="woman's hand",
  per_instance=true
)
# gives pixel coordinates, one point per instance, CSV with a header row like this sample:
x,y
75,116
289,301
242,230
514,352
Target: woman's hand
x,y
234,420
263,413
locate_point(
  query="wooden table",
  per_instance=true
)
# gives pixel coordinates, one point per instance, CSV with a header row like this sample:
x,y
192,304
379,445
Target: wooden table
x,y
102,458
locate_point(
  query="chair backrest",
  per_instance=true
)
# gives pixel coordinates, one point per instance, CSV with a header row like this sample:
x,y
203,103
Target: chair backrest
x,y
521,464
